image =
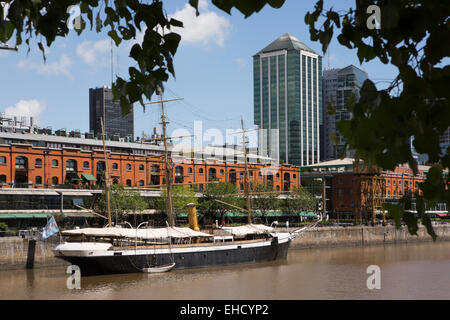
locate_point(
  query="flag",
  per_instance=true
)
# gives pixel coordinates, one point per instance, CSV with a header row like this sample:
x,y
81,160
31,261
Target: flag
x,y
50,229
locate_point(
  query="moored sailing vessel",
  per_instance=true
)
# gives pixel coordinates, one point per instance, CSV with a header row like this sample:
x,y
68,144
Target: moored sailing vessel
x,y
125,250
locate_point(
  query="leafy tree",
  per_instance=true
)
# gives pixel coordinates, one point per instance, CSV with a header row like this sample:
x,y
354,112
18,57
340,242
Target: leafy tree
x,y
412,36
181,196
122,202
3,226
299,200
265,199
223,191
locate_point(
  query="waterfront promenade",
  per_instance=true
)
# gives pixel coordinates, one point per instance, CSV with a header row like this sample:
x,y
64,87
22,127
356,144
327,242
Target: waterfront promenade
x,y
14,250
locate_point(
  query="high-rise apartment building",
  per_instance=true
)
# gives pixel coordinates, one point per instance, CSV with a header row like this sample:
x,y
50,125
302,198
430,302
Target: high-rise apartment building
x,y
101,105
338,86
287,81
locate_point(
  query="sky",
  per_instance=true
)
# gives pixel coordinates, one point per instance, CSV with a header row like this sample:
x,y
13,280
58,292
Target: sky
x,y
213,69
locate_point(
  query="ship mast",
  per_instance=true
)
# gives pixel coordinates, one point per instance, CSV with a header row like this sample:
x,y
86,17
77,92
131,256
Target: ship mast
x,y
246,180
108,202
167,163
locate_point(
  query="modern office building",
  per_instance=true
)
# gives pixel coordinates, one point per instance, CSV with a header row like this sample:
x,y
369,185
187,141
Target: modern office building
x,y
101,104
287,81
339,85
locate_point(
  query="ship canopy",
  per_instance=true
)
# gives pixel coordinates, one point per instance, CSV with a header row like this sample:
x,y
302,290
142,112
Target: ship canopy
x,y
145,233
248,229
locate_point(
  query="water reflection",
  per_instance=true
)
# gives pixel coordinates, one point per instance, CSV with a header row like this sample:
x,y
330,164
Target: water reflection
x,y
413,271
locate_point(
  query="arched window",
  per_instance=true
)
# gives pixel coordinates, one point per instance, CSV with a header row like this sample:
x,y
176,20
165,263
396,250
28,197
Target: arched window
x,y
200,171
222,172
115,166
141,167
232,176
86,165
128,167
55,163
71,165
38,163
141,183
128,183
21,162
154,174
287,181
178,174
211,173
38,180
2,179
54,181
189,170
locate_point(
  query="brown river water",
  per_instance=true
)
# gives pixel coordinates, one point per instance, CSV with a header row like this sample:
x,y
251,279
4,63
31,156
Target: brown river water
x,y
407,271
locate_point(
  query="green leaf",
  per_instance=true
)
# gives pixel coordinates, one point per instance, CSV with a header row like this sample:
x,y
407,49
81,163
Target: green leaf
x,y
396,211
115,37
176,23
6,31
41,47
98,23
194,4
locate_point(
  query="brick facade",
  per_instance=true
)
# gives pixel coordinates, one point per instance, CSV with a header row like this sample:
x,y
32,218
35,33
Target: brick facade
x,y
28,166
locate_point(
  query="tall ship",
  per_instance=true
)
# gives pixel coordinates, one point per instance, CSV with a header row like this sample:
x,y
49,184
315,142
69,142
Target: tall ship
x,y
126,250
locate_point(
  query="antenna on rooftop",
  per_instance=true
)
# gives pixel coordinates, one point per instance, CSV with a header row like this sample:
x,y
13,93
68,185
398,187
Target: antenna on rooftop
x,y
112,68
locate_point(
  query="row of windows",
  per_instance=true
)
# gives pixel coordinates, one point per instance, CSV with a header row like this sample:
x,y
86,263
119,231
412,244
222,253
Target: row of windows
x,y
71,165
55,181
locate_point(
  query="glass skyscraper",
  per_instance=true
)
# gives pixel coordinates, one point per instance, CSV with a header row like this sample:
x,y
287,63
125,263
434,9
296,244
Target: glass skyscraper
x,y
287,81
339,85
101,104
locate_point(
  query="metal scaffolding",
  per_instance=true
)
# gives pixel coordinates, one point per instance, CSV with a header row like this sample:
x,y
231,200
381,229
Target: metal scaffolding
x,y
369,192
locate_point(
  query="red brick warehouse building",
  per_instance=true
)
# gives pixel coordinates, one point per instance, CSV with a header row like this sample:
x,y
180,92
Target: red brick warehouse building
x,y
46,161
340,177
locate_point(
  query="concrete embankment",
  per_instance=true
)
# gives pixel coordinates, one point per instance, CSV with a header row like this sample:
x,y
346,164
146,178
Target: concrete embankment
x,y
14,253
365,236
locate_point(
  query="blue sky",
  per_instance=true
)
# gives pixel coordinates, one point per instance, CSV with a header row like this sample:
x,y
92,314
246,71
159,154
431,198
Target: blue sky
x,y
213,68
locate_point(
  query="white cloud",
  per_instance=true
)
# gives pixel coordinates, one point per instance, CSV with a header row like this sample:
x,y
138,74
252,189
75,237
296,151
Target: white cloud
x,y
207,28
241,62
26,108
56,67
93,52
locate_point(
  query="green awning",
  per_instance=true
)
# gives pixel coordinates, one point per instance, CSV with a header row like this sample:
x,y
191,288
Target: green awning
x,y
79,214
88,177
24,215
307,214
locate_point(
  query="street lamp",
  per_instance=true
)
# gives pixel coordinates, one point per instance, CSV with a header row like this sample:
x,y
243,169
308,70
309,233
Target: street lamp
x,y
324,210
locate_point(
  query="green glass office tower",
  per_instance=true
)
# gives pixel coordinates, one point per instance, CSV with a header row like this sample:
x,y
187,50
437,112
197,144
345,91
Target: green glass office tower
x,y
287,81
